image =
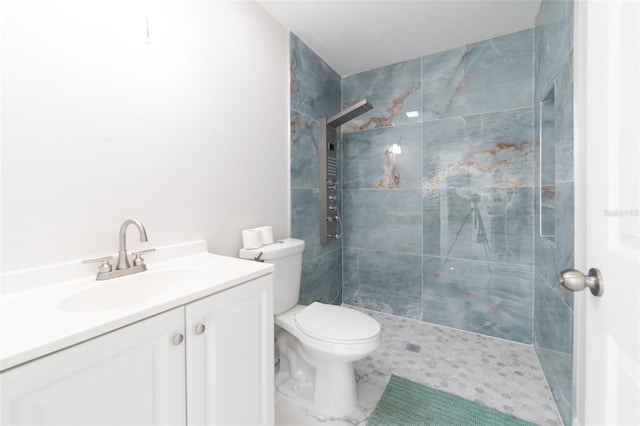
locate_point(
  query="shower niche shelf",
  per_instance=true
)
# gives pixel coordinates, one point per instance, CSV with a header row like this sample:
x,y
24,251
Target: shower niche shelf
x,y
547,200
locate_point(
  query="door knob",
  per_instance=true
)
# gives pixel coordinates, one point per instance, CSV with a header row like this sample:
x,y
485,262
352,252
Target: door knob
x,y
575,280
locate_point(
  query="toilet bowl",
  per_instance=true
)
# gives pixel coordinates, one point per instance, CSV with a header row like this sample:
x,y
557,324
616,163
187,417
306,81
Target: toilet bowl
x,y
319,343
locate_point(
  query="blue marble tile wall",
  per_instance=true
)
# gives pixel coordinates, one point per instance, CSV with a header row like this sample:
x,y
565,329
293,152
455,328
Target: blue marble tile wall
x,y
315,93
443,231
554,183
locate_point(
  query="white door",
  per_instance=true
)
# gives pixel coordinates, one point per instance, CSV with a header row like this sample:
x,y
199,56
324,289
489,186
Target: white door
x,y
131,376
607,141
230,356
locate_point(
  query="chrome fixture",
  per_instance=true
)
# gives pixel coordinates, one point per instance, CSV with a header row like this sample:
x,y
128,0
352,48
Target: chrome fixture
x,y
350,113
329,216
123,267
123,260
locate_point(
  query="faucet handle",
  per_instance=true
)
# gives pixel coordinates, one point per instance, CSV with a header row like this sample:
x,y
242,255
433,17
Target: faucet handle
x,y
138,260
106,265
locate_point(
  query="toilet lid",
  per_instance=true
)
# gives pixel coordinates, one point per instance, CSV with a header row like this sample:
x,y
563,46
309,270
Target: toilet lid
x,y
336,323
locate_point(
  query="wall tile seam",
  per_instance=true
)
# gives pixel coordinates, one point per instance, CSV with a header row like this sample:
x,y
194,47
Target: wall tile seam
x,y
316,120
553,75
416,123
400,125
357,283
554,291
559,296
438,188
565,305
385,252
460,330
546,244
563,181
492,262
553,350
471,44
383,189
558,182
478,333
533,308
533,192
546,380
307,188
413,254
358,266
534,236
362,249
422,287
523,107
493,111
533,75
323,254
422,223
396,189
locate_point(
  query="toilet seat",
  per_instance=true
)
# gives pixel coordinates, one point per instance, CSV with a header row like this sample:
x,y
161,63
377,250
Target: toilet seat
x,y
337,324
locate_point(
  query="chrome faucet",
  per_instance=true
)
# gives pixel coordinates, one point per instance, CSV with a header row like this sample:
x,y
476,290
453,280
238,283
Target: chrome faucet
x,y
123,257
123,267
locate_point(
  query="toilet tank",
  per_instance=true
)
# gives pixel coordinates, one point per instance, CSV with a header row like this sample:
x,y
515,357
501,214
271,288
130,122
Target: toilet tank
x,y
286,257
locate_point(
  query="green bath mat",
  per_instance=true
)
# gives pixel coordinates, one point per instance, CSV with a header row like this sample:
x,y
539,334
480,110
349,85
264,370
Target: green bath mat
x,y
405,403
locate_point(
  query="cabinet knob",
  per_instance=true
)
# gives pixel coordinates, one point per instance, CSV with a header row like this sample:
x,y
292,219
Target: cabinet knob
x,y
177,339
200,329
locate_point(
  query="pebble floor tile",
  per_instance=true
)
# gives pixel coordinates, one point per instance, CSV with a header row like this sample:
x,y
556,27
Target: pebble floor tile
x,y
498,373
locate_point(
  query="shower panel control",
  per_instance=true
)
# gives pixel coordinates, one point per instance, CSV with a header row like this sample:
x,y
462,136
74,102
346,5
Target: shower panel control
x,y
329,218
330,221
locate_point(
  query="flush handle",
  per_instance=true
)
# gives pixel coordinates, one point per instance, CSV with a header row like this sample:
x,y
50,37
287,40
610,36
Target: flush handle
x,y
575,280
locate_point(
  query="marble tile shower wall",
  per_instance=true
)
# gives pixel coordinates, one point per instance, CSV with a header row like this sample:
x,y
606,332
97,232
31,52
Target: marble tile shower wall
x,y
315,93
443,231
553,313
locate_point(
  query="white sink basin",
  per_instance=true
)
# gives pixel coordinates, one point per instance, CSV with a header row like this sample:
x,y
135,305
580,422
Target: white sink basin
x,y
46,309
131,289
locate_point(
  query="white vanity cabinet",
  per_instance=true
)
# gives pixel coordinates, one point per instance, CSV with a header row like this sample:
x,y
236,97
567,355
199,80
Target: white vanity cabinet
x,y
207,362
134,375
230,357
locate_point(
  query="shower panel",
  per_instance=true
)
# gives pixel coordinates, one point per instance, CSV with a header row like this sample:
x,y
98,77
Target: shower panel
x,y
329,213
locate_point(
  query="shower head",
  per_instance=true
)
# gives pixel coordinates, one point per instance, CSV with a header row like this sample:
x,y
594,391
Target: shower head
x,y
349,113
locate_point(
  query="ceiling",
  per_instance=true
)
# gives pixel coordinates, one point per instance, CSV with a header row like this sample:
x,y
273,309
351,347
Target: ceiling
x,y
358,35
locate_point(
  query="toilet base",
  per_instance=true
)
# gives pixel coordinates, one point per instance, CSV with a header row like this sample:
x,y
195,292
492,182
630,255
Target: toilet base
x,y
326,388
331,393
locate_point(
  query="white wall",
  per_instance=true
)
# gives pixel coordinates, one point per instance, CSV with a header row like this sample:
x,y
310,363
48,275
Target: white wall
x,y
188,133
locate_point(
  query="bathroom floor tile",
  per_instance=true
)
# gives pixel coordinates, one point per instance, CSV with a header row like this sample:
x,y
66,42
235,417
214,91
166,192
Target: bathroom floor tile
x,y
498,373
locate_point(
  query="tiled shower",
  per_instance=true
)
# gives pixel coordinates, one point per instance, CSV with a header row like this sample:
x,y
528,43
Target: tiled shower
x,y
450,229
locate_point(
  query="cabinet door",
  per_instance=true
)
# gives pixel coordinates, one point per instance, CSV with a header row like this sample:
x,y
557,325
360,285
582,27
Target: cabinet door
x,y
131,376
230,364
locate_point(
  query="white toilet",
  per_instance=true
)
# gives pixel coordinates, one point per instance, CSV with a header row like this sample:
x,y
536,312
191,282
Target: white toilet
x,y
317,343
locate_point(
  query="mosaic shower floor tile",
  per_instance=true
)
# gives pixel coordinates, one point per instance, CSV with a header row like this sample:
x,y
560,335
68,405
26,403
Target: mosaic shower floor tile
x,y
498,373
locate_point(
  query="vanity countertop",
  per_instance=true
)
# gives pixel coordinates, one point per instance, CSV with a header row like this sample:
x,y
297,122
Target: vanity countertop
x,y
38,319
